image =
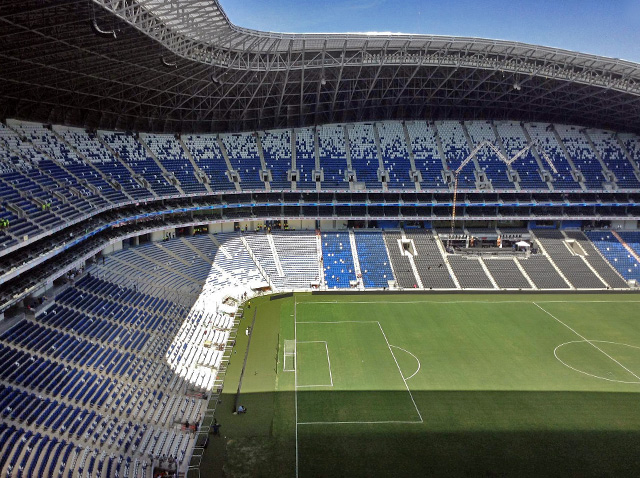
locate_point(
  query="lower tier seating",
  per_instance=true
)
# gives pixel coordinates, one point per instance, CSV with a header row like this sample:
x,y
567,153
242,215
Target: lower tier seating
x,y
374,261
506,273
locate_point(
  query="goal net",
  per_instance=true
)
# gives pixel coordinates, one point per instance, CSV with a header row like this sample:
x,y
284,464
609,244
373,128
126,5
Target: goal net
x,y
289,356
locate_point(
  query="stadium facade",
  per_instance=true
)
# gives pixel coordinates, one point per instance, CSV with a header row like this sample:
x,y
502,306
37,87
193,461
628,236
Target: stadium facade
x,y
131,123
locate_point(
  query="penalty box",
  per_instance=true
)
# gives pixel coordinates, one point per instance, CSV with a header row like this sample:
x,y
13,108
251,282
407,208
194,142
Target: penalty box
x,y
346,372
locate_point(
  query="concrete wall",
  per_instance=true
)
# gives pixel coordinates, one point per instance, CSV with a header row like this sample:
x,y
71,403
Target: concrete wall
x,y
111,248
328,225
624,225
226,227
302,224
157,236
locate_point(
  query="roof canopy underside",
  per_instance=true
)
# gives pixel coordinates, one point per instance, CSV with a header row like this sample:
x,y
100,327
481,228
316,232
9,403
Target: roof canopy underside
x,y
182,66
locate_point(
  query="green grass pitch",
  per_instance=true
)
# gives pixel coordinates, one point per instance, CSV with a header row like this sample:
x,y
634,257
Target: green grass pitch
x,y
436,385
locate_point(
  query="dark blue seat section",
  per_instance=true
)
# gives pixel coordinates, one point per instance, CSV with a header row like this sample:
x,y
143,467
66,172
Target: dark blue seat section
x,y
52,176
375,265
242,150
136,157
173,158
395,155
337,260
79,370
276,149
333,156
364,154
305,158
615,252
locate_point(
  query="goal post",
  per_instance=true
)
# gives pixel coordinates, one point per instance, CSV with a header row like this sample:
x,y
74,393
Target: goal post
x,y
289,356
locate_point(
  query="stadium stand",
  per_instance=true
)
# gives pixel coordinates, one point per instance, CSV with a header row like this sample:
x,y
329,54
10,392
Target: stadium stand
x,y
395,155
364,154
401,264
615,252
506,273
469,272
544,138
570,263
597,261
543,274
614,158
495,168
276,147
374,261
456,149
427,157
171,156
337,260
297,253
431,265
133,154
333,156
97,380
305,158
242,150
582,155
514,140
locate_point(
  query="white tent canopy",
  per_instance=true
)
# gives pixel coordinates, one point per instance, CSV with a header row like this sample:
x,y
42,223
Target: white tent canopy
x,y
523,244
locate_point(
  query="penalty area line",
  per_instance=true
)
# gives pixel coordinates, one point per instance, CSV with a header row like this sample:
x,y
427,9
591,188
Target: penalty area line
x,y
400,371
404,422
417,360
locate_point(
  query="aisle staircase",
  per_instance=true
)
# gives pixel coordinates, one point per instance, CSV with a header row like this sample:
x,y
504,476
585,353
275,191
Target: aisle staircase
x,y
356,260
629,249
413,264
524,273
544,252
274,251
446,261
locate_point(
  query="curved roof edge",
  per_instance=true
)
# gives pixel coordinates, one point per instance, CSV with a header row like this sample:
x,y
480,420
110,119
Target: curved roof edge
x,y
199,30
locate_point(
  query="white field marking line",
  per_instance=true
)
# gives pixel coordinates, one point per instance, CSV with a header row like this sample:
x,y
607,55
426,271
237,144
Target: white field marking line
x,y
417,360
586,340
475,302
295,373
399,370
363,423
339,322
328,362
587,373
314,386
284,365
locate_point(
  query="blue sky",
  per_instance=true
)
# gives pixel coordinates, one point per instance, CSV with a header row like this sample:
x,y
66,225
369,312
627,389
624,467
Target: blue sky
x,y
603,27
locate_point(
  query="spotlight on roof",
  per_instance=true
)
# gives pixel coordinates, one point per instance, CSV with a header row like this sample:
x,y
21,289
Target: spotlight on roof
x,y
517,86
323,81
216,79
100,32
168,64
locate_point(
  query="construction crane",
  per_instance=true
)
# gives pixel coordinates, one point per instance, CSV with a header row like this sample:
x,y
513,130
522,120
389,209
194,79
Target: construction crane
x,y
502,157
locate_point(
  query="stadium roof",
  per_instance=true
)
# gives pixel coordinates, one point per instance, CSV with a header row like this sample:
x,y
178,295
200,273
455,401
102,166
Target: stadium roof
x,y
159,65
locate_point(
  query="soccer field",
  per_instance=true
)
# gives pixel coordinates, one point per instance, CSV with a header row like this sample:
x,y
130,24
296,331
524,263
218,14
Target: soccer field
x,y
446,385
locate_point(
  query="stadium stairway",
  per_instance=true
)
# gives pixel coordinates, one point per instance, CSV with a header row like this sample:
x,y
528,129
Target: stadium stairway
x,y
356,259
624,243
195,167
412,263
590,258
196,250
